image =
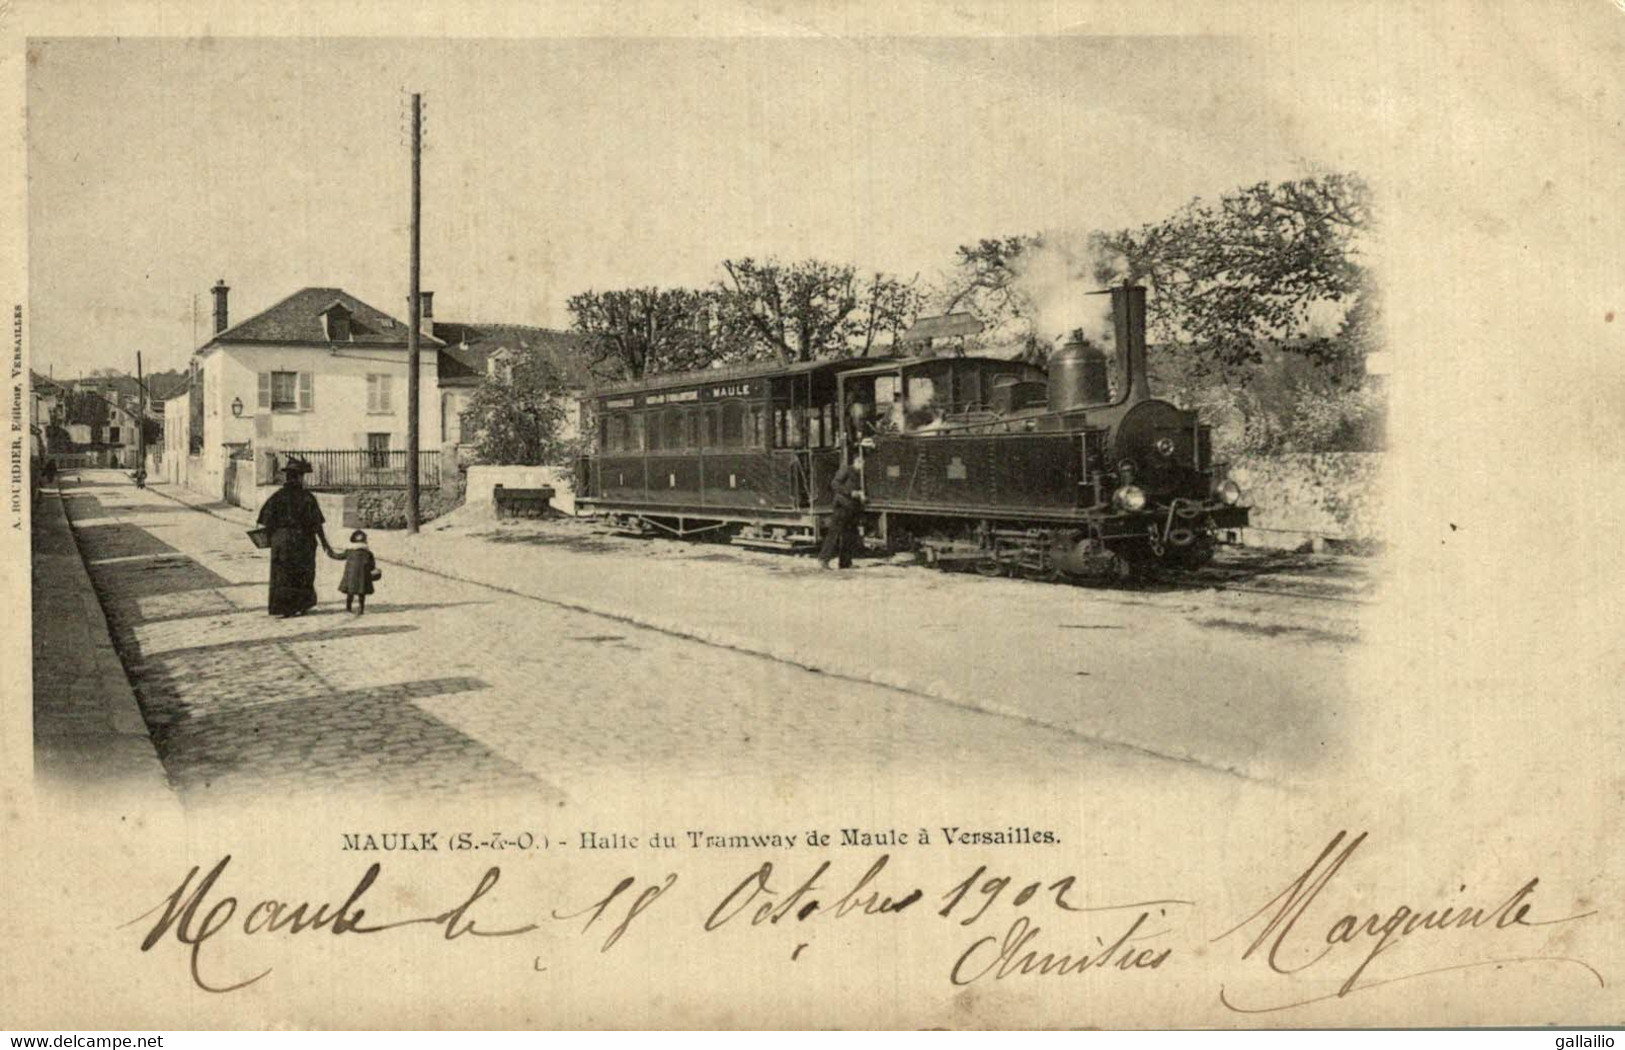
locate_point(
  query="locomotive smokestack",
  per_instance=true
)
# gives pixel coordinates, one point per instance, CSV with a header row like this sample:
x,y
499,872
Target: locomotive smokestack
x,y
1128,324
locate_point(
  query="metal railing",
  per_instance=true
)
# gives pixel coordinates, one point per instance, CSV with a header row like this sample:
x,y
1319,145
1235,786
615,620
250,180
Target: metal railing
x,y
362,468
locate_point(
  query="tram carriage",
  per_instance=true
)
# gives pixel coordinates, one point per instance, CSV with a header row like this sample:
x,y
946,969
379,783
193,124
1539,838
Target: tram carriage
x,y
977,462
748,451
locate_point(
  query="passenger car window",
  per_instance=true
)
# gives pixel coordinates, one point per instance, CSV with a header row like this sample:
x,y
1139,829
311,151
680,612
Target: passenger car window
x,y
733,424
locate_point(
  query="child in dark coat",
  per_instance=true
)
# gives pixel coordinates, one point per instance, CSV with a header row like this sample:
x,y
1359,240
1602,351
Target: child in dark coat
x,y
360,569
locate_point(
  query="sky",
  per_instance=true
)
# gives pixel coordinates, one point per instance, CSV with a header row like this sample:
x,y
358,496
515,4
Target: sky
x,y
157,166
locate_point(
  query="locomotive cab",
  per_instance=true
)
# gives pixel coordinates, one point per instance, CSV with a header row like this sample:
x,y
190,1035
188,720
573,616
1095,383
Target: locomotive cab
x,y
937,395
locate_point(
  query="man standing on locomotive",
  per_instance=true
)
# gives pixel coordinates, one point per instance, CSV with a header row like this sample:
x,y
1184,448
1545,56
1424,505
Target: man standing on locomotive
x,y
841,540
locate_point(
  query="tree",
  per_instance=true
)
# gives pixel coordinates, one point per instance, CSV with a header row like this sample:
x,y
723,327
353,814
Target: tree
x,y
889,309
1258,268
85,407
640,331
1262,308
517,413
812,309
1264,266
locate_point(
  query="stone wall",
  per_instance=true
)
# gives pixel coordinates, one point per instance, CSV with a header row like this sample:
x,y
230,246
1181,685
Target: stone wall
x,y
482,479
1299,498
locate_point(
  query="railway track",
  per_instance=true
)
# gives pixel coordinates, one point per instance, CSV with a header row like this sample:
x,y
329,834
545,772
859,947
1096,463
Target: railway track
x,y
1337,580
1345,581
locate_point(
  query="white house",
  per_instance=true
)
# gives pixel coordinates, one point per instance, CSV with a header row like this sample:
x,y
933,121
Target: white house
x,y
320,371
102,427
472,352
178,436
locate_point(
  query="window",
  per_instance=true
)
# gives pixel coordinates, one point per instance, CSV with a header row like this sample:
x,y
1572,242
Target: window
x,y
284,391
733,424
671,429
635,440
620,432
451,418
818,426
336,323
789,427
379,393
112,435
378,451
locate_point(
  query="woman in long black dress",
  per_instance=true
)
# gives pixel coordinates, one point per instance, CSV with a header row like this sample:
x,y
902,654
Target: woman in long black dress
x,y
295,521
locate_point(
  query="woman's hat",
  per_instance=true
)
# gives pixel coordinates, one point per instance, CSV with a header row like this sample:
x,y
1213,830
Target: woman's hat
x,y
358,536
295,465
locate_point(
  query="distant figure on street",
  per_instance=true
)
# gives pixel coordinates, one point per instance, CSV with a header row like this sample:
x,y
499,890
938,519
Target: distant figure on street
x,y
841,540
360,570
295,522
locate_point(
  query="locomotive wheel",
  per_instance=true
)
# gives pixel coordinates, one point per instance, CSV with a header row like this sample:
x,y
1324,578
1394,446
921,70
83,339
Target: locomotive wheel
x,y
1194,556
991,567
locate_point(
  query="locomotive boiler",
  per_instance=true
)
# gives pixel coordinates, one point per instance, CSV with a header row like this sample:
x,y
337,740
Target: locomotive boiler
x,y
1074,471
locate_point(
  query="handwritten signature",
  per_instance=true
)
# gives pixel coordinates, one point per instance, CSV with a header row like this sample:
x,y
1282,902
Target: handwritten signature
x,y
1286,951
1355,951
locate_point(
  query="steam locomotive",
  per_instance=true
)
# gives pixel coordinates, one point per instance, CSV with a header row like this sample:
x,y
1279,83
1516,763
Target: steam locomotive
x,y
973,462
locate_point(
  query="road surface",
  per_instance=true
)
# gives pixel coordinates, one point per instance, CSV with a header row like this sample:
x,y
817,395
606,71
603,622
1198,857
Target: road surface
x,y
455,683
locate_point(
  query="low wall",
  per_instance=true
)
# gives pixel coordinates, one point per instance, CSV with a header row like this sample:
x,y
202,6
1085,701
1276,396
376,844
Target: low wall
x,y
338,508
482,479
1312,496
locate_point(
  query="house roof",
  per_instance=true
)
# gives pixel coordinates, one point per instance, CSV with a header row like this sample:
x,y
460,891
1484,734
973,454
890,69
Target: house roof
x,y
942,326
468,346
162,387
298,319
180,389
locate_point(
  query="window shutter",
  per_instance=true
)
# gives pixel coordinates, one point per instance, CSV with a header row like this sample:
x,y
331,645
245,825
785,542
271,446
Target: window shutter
x,y
372,392
307,394
384,384
265,390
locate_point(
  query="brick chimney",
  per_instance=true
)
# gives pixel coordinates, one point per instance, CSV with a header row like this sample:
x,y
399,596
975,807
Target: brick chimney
x,y
220,290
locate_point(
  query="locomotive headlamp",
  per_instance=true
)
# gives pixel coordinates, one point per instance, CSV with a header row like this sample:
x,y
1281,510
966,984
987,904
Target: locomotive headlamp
x,y
1165,446
1131,497
1229,493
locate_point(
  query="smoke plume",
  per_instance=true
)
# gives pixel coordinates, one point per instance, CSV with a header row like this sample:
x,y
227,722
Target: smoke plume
x,y
1056,277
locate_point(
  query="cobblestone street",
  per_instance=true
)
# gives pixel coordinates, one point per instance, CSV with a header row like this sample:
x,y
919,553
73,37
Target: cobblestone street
x,y
446,686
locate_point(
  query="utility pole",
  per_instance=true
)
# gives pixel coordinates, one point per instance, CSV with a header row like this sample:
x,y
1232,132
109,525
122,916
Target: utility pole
x,y
416,321
140,424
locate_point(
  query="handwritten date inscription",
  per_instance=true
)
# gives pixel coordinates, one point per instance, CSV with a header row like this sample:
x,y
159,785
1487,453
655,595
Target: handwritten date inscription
x,y
1300,937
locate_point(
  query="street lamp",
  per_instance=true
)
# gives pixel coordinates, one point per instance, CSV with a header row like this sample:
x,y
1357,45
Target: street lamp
x,y
237,407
